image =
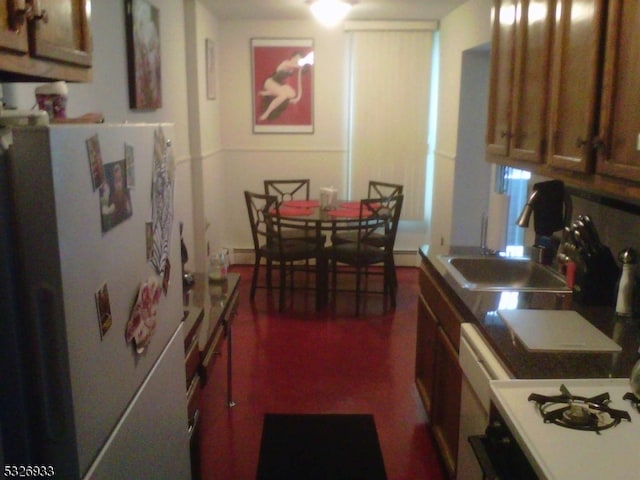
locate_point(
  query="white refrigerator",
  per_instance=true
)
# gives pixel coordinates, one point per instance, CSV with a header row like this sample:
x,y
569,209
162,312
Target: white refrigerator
x,y
93,380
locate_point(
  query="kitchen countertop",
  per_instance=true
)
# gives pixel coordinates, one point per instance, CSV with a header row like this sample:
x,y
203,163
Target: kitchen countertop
x,y
210,298
480,308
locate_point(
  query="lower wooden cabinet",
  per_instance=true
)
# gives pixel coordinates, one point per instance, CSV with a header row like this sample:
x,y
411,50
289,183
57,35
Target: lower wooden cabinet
x,y
437,372
425,353
445,409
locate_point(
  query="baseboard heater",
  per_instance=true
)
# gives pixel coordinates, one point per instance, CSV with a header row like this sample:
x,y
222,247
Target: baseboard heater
x,y
403,258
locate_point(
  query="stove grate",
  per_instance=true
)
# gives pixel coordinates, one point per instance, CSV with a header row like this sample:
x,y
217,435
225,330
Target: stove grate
x,y
579,412
635,401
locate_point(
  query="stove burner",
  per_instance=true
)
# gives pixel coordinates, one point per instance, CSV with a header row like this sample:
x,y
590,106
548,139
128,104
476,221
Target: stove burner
x,y
579,413
635,401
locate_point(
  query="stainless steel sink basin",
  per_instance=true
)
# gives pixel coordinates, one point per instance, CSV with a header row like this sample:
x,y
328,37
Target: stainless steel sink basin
x,y
491,273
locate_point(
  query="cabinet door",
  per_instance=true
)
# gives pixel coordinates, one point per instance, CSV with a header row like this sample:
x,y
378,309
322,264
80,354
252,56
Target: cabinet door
x,y
65,36
425,353
445,416
576,66
13,27
501,77
620,113
531,80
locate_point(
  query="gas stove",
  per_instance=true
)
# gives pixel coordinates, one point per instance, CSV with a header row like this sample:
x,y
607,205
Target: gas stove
x,y
583,428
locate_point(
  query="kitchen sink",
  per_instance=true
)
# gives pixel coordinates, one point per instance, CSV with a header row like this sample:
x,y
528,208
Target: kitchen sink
x,y
493,273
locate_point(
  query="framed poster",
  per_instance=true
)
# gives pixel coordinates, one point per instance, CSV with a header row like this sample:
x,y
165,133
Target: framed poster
x,y
282,85
210,52
143,55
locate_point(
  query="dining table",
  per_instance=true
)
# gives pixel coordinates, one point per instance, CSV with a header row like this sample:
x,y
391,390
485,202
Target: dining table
x,y
343,215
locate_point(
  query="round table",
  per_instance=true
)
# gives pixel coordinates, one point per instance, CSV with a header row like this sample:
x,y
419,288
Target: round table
x,y
304,213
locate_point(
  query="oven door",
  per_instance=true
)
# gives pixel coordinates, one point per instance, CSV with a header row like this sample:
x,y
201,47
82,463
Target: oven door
x,y
498,453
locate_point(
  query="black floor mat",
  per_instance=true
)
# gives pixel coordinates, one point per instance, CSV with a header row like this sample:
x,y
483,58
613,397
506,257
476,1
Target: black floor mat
x,y
320,447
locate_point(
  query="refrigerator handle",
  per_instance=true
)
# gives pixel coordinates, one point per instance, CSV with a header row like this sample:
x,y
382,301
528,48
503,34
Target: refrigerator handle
x,y
49,354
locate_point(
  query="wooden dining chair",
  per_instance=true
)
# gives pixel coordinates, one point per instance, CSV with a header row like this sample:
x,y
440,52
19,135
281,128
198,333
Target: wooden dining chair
x,y
376,216
269,244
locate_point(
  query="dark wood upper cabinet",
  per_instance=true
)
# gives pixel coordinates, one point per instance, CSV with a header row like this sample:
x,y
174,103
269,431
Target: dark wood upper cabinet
x,y
575,84
579,122
500,87
618,155
519,80
45,40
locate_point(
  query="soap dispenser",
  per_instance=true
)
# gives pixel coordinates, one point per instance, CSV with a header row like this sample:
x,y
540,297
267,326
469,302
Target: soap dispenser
x,y
626,286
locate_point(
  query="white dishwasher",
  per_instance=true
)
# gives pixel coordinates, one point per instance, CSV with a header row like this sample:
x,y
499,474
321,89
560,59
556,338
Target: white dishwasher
x,y
479,366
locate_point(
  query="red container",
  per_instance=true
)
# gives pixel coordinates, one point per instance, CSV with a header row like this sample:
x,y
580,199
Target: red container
x,y
55,105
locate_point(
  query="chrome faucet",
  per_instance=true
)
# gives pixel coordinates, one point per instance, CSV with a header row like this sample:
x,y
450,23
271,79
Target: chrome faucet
x,y
525,215
548,205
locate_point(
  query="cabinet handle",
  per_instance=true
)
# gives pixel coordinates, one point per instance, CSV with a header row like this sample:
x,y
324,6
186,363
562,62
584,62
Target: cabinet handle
x,y
598,144
17,10
43,15
28,10
505,134
580,142
37,12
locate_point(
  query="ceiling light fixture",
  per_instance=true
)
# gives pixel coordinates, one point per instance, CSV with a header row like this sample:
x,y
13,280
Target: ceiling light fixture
x,y
330,12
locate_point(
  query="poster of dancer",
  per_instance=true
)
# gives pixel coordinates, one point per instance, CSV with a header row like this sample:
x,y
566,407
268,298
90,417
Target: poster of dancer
x,y
282,85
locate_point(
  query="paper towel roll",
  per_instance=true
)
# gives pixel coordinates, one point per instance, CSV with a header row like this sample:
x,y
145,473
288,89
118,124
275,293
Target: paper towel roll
x,y
497,222
328,198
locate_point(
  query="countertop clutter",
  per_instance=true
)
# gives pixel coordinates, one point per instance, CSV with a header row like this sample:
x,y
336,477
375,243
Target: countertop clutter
x,y
482,308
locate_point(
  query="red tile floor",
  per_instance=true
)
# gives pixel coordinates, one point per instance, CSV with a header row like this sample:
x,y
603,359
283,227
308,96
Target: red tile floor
x,y
302,361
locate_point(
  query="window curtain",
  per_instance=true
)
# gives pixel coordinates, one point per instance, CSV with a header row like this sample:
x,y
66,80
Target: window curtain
x,y
389,112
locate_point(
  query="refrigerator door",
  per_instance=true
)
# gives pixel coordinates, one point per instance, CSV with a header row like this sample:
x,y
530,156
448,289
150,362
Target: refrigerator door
x,y
84,380
151,440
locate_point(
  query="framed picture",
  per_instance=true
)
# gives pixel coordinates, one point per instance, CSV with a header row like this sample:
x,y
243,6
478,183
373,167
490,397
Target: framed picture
x,y
282,85
210,53
143,55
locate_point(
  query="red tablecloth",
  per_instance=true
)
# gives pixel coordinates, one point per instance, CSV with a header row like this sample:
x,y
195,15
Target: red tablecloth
x,y
356,205
293,211
300,204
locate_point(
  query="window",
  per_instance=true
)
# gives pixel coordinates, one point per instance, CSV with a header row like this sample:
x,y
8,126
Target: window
x,y
514,182
389,112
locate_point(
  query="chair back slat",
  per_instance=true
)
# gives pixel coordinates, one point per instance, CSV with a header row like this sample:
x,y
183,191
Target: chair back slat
x,y
288,189
384,189
259,208
379,215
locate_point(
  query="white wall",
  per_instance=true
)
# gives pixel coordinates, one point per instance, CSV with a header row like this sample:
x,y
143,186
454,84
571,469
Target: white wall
x,y
473,175
204,134
466,27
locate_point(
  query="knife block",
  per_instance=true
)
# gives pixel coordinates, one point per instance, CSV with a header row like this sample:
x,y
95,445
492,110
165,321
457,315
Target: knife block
x,y
596,278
